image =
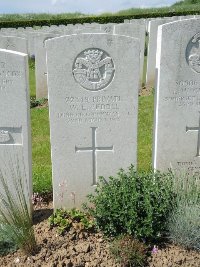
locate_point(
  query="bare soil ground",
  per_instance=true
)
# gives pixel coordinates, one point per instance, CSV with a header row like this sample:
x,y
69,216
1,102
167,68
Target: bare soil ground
x,y
145,91
79,248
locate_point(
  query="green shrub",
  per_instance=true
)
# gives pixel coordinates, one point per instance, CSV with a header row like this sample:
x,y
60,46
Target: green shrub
x,y
184,221
129,251
132,203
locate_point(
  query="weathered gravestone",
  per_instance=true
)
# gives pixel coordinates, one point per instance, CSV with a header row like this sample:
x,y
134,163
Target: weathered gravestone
x,y
93,99
14,43
136,30
15,139
40,64
152,47
31,41
107,28
177,116
96,28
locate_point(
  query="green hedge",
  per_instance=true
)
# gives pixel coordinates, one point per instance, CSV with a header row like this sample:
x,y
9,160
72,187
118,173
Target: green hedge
x,y
100,19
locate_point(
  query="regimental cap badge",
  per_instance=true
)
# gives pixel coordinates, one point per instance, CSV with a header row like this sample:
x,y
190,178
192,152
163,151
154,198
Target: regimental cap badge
x,y
93,69
193,53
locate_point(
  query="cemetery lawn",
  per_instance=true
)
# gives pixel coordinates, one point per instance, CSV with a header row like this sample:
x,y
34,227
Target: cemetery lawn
x,y
41,151
32,78
145,132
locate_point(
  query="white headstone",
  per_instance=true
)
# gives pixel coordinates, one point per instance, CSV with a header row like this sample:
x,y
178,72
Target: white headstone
x,y
152,47
87,30
45,28
137,31
93,101
31,42
107,28
177,117
40,64
15,139
14,43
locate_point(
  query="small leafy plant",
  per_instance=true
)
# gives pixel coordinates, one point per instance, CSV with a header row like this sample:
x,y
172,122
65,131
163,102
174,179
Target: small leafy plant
x,y
64,220
129,251
132,203
37,102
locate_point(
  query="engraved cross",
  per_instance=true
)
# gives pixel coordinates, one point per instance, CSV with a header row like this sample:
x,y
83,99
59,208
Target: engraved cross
x,y
198,141
94,149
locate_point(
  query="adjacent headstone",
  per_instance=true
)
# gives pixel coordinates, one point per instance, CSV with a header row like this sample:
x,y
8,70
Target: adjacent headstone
x,y
14,43
45,28
31,42
40,64
126,21
107,28
177,116
15,139
187,17
87,30
152,48
93,102
137,31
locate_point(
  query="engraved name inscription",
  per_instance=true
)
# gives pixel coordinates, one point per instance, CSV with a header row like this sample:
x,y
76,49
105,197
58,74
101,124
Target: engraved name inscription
x,y
93,69
91,109
7,76
185,94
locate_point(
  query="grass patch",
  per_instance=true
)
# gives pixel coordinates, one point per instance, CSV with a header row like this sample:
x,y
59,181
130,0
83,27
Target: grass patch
x,y
144,72
145,132
32,78
41,150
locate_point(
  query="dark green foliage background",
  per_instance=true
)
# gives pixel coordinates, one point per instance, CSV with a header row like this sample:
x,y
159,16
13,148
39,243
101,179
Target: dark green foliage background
x,y
98,19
